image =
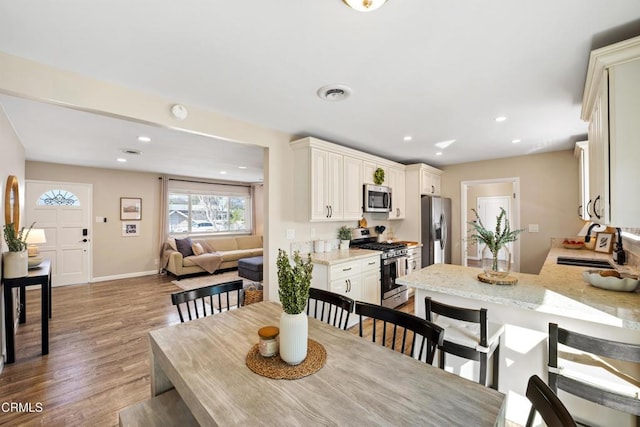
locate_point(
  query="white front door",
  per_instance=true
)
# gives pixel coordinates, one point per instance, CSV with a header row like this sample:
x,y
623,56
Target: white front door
x,y
488,210
63,210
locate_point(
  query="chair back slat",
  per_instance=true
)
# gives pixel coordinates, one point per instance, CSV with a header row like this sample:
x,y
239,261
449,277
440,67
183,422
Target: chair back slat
x,y
206,294
459,313
430,333
328,304
595,346
545,402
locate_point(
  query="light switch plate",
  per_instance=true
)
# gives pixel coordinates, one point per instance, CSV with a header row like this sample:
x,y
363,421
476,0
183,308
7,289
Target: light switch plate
x,y
533,228
291,234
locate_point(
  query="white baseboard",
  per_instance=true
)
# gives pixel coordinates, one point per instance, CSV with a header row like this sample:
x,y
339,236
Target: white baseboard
x,y
123,276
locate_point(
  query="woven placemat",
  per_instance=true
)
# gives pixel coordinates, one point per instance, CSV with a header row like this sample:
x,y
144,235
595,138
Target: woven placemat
x,y
509,280
276,368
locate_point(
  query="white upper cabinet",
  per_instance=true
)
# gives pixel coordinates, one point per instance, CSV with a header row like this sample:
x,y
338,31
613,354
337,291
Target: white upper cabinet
x,y
611,104
329,180
369,170
429,182
397,185
581,151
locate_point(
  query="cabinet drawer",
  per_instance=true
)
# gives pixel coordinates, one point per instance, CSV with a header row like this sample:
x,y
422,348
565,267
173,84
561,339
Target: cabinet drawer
x,y
370,264
345,269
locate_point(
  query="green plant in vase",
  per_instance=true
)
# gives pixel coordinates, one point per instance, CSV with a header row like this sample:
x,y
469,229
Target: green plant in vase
x,y
16,241
293,289
495,241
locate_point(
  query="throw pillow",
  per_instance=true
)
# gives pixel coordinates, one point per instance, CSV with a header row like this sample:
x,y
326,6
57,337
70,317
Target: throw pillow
x,y
197,249
184,246
172,243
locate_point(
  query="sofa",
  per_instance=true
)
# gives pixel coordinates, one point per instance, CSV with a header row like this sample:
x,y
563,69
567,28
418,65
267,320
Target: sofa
x,y
192,256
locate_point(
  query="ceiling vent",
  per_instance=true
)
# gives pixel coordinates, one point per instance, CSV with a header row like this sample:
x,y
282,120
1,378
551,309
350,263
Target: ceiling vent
x,y
131,151
334,92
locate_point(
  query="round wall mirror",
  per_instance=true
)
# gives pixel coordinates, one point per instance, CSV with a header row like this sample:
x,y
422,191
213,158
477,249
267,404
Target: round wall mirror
x,y
12,202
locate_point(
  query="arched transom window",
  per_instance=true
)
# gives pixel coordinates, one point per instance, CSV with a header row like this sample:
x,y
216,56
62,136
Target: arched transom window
x,y
58,198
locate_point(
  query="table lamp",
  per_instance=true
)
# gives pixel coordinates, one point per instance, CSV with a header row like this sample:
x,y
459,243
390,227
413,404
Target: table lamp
x,y
35,237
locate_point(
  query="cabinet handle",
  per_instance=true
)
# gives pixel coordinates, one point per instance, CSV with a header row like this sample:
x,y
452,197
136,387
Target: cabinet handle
x,y
595,210
580,211
372,262
589,213
433,189
330,211
397,212
347,269
327,216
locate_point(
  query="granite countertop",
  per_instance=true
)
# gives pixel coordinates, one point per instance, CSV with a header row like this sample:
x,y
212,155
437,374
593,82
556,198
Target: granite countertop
x,y
337,257
557,289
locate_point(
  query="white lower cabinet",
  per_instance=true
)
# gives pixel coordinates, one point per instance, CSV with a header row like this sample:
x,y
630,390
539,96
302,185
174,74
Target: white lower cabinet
x,y
357,279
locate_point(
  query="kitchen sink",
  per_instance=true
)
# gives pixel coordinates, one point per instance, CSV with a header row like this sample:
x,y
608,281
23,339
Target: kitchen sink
x,y
584,262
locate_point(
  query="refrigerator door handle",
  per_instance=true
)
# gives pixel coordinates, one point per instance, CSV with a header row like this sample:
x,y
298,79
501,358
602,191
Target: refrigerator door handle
x,y
443,224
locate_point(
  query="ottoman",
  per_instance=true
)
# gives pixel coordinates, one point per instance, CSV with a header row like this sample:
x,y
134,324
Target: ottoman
x,y
250,268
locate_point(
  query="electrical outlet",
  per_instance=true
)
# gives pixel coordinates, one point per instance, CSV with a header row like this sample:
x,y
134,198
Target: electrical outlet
x,y
291,233
533,228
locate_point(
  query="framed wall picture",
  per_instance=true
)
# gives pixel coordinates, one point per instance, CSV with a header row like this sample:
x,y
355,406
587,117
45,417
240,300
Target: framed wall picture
x,y
130,209
604,242
130,228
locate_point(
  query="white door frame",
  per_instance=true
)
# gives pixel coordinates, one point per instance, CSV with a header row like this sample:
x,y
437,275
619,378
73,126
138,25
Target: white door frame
x,y
515,215
481,199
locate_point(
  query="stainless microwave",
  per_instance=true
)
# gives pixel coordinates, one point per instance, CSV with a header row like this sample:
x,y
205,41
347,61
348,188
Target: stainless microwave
x,y
377,198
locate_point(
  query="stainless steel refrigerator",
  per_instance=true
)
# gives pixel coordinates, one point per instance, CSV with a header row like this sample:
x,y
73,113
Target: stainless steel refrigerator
x,y
436,230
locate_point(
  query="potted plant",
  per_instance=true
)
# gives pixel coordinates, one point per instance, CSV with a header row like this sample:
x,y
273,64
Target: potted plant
x,y
293,289
344,234
496,258
16,261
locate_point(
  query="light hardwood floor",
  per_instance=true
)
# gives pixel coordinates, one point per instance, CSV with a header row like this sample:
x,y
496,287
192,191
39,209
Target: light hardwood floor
x,y
98,361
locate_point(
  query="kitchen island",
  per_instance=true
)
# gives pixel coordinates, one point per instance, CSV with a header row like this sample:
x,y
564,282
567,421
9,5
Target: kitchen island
x,y
558,294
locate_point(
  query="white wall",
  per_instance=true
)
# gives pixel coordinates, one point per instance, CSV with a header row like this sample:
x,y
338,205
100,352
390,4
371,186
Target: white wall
x,y
11,163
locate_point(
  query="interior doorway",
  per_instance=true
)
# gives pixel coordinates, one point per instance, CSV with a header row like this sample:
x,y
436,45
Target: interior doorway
x,y
486,197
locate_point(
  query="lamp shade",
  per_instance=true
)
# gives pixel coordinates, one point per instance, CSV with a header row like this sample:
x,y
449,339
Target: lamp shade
x,y
36,235
364,5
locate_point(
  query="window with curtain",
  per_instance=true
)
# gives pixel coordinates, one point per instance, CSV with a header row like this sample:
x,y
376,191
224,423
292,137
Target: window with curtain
x,y
195,207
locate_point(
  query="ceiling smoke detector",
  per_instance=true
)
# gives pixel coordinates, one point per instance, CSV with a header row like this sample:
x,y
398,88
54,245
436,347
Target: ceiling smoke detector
x,y
334,92
131,151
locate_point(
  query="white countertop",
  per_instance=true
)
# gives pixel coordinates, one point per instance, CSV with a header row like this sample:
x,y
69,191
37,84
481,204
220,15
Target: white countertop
x,y
337,257
558,289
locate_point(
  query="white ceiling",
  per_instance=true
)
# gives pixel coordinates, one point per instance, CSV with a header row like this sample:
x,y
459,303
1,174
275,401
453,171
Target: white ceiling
x,y
433,70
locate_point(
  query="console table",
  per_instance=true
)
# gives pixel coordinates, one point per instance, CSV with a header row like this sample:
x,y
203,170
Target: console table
x,y
40,275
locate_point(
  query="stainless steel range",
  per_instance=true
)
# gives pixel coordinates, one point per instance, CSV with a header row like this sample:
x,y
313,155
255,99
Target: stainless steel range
x,y
393,264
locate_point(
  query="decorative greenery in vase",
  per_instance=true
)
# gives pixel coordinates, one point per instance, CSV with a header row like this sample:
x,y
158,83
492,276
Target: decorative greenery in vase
x,y
293,281
16,242
495,240
378,176
344,233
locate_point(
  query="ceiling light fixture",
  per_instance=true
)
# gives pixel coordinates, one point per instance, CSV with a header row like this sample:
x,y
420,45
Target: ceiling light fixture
x,y
364,5
439,153
334,92
242,167
223,172
121,160
501,119
408,138
144,139
515,141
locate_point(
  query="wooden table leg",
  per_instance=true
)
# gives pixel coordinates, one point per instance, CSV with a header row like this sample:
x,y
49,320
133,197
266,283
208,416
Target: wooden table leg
x,y
46,297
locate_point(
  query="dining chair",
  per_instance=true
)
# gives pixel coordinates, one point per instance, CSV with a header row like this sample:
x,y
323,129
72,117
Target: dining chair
x,y
545,402
330,307
428,334
579,369
211,296
467,334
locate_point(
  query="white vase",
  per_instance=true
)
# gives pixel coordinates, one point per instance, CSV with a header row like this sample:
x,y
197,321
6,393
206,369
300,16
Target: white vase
x,y
16,264
294,331
344,245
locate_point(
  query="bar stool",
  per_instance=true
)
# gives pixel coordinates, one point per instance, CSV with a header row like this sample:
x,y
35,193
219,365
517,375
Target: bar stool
x,y
467,334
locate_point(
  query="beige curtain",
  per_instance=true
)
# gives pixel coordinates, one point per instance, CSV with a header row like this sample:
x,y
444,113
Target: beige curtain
x,y
164,226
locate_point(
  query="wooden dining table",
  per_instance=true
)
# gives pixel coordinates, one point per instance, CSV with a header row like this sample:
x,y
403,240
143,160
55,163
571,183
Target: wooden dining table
x,y
361,383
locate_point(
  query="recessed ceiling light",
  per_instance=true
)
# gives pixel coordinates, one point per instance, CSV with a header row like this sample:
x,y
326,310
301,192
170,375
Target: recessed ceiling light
x,y
144,139
242,167
439,153
501,119
515,141
408,138
223,172
121,160
364,5
444,144
334,92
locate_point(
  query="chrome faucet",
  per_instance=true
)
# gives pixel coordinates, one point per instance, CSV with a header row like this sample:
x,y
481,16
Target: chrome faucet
x,y
587,238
